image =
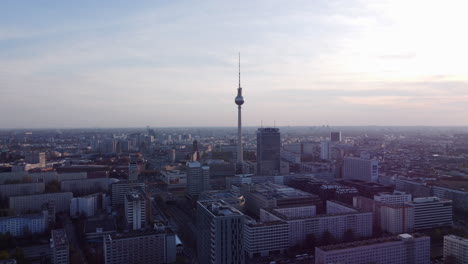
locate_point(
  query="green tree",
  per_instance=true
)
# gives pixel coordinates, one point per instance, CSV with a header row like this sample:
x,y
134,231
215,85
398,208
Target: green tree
x,y
311,241
327,238
349,236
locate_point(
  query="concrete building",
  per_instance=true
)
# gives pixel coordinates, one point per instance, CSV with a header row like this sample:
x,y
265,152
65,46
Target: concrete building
x,y
265,239
133,168
219,233
60,247
35,202
19,225
268,151
174,179
135,209
335,136
337,223
86,205
120,189
7,190
390,218
271,195
459,197
415,188
325,150
87,186
431,212
455,249
401,249
361,169
395,198
35,158
142,246
198,179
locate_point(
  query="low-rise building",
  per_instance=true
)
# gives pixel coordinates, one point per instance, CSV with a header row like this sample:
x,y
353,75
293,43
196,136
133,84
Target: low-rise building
x,y
401,249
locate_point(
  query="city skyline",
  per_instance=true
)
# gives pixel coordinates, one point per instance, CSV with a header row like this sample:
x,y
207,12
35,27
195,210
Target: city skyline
x,y
108,64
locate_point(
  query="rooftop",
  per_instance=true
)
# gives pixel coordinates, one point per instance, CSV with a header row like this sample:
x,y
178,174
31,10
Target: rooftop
x,y
219,208
59,236
368,242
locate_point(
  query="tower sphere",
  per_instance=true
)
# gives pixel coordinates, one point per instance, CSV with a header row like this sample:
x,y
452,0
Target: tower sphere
x,y
239,100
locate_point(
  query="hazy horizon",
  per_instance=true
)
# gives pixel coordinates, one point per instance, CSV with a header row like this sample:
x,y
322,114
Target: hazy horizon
x,y
114,64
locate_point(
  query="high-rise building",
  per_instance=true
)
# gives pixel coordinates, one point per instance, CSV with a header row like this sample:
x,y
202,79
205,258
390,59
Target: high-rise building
x,y
219,233
135,209
455,249
133,168
60,247
120,189
401,249
431,212
361,169
335,136
325,150
198,179
268,151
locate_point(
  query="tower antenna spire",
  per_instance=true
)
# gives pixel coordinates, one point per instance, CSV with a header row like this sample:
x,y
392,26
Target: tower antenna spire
x,y
239,71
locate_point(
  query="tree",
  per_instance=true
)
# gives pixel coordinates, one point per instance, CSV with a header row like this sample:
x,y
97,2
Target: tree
x,y
4,254
349,236
52,186
327,238
310,241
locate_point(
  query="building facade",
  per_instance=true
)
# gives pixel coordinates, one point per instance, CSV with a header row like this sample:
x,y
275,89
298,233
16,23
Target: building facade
x,y
219,233
60,247
268,151
198,179
35,202
401,249
455,249
431,212
361,169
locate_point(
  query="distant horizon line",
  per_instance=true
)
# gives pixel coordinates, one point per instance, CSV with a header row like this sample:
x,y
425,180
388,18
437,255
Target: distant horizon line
x,y
234,127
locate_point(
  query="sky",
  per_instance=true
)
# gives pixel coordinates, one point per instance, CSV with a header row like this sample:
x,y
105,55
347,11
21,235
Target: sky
x,y
175,63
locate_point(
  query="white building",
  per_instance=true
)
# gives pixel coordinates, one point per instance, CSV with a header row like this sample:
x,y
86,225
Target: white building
x,y
219,233
299,227
395,198
86,205
120,189
18,225
455,249
135,209
143,246
431,212
264,238
174,179
402,249
393,219
198,178
361,169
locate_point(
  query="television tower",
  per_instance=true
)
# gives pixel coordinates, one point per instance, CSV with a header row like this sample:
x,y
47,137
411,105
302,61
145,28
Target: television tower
x,y
239,102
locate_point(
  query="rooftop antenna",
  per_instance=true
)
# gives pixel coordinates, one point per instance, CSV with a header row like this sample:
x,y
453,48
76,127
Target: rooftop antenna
x,y
262,123
239,70
274,123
